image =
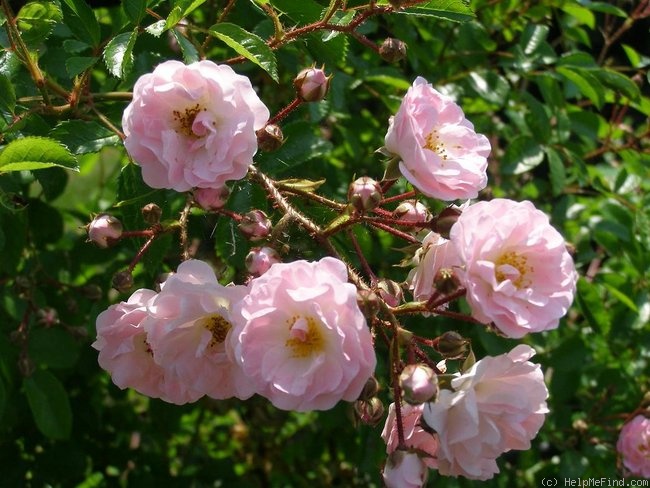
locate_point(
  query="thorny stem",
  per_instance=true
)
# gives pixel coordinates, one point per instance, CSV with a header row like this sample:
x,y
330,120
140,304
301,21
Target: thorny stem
x,y
285,111
362,259
183,224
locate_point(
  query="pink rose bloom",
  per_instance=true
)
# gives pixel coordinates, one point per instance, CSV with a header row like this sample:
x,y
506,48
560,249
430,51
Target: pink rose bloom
x,y
634,446
517,271
499,404
123,348
405,469
415,437
193,125
188,329
303,340
435,254
441,154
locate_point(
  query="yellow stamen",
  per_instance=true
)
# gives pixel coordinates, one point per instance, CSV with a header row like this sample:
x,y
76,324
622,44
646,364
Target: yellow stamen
x,y
517,261
217,325
185,119
305,337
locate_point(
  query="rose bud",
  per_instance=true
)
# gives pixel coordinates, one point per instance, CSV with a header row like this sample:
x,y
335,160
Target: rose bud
x,y
255,225
211,198
104,230
312,84
364,193
390,292
369,412
370,389
446,281
270,138
443,223
260,259
368,302
123,281
419,383
412,211
451,345
392,50
151,213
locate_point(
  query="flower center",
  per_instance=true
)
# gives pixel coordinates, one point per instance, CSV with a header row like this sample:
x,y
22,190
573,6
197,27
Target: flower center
x,y
305,337
217,325
514,267
435,144
141,343
185,120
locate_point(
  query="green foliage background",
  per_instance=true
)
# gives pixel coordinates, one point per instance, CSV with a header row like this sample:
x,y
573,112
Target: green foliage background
x,y
559,86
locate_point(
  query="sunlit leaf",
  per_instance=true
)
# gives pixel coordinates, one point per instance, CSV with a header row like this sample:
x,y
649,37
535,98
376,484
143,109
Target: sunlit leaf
x,y
118,54
30,153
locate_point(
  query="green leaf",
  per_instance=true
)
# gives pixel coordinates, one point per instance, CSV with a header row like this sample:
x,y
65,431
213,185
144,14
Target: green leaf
x,y
173,18
302,12
53,347
556,170
454,10
78,64
49,404
36,20
619,83
607,8
134,9
53,181
537,119
586,83
490,86
301,184
190,54
7,95
522,155
190,5
31,153
248,45
83,137
533,36
3,397
591,304
581,14
118,54
45,221
81,20
156,29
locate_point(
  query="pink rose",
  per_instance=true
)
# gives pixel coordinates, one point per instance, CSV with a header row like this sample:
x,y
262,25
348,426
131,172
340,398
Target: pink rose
x,y
441,154
415,437
517,271
193,125
303,340
634,446
123,348
435,254
499,404
188,330
405,469
104,230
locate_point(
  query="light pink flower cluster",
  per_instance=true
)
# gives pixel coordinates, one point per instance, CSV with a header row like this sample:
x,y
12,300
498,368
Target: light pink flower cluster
x,y
516,269
303,341
415,437
193,125
499,404
634,446
441,154
294,335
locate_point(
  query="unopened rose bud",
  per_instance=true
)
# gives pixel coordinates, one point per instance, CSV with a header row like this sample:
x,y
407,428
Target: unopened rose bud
x,y
255,225
104,230
392,50
260,259
312,84
47,316
122,281
369,412
370,389
405,469
412,211
368,302
443,223
390,292
92,292
451,345
211,198
151,213
364,193
419,383
270,138
446,281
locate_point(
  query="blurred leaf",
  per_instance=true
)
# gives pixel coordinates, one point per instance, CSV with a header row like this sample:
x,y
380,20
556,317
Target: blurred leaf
x,y
7,95
53,181
189,6
453,10
173,18
49,404
36,20
619,83
118,53
582,14
550,89
83,136
522,155
81,20
134,9
53,347
556,170
248,45
190,54
490,86
537,119
46,222
607,8
622,297
587,84
591,304
3,398
332,52
533,37
30,153
76,65
303,12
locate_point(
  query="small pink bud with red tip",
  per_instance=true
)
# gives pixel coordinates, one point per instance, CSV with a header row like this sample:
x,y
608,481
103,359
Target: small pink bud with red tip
x,y
312,84
104,230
